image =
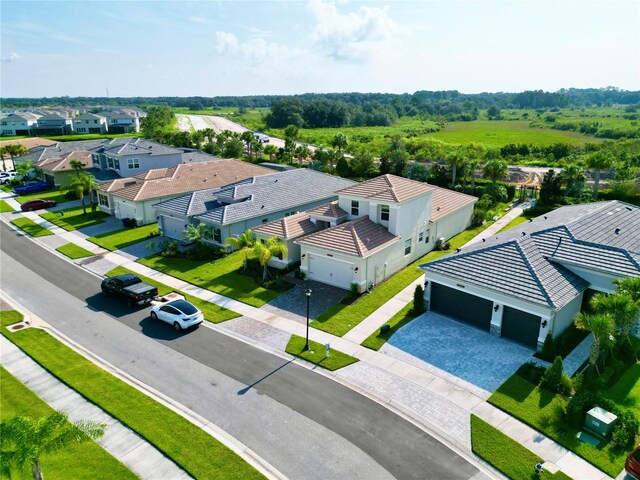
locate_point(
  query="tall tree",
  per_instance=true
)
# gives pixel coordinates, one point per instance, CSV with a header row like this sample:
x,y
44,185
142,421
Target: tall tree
x,y
25,440
572,177
244,242
599,161
24,169
83,184
271,150
601,328
456,160
550,188
620,307
495,170
264,251
16,150
340,142
77,166
197,233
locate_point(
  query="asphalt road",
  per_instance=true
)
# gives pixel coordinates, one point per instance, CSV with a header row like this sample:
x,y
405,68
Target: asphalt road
x,y
304,424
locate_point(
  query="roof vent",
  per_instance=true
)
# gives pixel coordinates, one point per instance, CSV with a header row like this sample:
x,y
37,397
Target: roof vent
x,y
524,234
483,240
545,217
276,180
438,209
457,250
262,207
215,174
629,208
617,231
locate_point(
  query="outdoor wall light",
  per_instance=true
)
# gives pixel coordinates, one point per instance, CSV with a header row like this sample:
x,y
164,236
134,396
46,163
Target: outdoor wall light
x,y
544,324
303,255
355,270
496,308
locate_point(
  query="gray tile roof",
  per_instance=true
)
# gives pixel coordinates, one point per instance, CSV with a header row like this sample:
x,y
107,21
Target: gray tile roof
x,y
256,197
137,146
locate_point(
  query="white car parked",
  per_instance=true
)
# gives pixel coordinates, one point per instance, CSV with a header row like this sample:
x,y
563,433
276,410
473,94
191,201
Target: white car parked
x,y
6,177
179,313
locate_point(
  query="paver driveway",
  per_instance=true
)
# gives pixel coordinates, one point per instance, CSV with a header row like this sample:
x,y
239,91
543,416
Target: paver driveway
x,y
461,350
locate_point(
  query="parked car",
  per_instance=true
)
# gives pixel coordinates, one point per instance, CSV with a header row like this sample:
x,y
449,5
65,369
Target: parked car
x,y
179,313
6,177
129,287
261,137
37,204
32,186
632,465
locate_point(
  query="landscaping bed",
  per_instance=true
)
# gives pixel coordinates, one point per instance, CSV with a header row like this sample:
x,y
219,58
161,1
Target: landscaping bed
x,y
31,227
124,237
316,354
86,460
162,427
72,250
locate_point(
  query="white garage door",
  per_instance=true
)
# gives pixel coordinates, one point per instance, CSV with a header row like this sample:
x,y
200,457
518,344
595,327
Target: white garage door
x,y
172,227
333,272
124,210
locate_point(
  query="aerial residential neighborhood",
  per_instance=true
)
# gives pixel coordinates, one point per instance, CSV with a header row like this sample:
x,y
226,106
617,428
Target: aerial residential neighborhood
x,y
319,240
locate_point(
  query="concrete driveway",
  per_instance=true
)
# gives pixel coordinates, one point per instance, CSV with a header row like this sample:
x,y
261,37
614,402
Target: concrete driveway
x,y
464,351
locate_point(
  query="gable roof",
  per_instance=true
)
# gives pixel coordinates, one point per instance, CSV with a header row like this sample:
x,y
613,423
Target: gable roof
x,y
329,210
293,226
162,182
445,201
63,162
257,196
389,188
360,237
89,116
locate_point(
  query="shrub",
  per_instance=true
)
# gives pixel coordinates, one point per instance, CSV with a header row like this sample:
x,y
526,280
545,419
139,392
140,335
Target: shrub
x,y
70,195
578,406
531,372
548,349
624,433
552,378
446,246
299,274
168,248
511,190
353,290
610,374
418,300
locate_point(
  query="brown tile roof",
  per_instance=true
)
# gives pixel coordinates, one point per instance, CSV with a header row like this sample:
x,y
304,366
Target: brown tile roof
x,y
63,162
184,178
331,210
360,237
445,201
286,228
388,188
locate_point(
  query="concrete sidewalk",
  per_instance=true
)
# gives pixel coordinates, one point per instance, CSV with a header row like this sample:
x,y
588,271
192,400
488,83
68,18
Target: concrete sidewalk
x,y
437,401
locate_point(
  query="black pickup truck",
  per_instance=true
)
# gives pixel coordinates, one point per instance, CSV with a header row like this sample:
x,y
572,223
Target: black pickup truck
x,y
129,287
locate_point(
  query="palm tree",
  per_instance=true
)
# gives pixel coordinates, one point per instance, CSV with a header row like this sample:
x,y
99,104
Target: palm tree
x,y
24,168
629,286
197,233
264,251
456,160
77,166
598,161
602,328
81,184
24,440
340,142
271,150
15,150
3,152
573,178
244,243
495,170
620,307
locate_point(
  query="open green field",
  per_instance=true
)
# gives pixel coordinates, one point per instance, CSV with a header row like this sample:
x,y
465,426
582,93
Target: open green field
x,y
626,391
86,460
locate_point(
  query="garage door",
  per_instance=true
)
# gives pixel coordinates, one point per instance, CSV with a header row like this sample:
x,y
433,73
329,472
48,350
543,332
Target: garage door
x,y
172,227
333,272
461,306
520,326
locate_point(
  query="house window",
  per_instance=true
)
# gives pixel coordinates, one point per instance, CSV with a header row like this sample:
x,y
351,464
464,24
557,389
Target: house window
x,y
407,247
355,207
103,200
116,164
217,235
265,220
110,162
384,213
427,232
420,236
133,163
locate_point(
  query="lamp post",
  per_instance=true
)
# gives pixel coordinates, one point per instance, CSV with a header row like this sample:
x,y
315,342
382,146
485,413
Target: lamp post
x,y
308,293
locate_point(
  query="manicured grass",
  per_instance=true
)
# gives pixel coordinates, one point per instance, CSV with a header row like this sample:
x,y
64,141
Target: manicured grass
x,y
316,354
75,218
543,410
57,195
626,391
212,312
90,136
72,250
340,318
124,237
5,207
220,276
505,454
169,432
377,339
513,223
31,227
87,460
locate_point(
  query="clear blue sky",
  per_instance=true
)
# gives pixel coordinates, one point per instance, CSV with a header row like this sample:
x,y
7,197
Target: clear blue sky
x,y
155,48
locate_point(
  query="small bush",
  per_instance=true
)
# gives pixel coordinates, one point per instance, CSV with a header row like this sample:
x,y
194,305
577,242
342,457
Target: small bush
x,y
624,433
70,195
168,248
552,378
531,372
446,246
418,300
548,349
299,274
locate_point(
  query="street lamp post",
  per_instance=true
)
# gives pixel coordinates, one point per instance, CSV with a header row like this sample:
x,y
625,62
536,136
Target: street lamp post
x,y
308,293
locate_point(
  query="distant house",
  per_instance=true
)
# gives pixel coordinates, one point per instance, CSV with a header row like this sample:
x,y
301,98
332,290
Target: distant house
x,y
18,124
121,122
52,124
233,209
89,123
529,281
134,197
58,171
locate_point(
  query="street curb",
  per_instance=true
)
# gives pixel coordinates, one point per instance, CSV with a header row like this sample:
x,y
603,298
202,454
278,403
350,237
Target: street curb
x,y
216,432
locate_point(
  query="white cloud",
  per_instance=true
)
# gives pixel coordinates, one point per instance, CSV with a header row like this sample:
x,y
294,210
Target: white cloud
x,y
257,51
201,20
12,57
350,37
258,32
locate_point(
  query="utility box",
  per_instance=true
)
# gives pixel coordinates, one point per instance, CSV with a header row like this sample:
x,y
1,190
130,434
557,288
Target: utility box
x,y
600,422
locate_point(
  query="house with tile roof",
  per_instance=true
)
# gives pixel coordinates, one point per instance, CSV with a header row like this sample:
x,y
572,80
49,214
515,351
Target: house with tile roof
x,y
376,228
530,281
246,204
58,171
90,123
18,123
135,197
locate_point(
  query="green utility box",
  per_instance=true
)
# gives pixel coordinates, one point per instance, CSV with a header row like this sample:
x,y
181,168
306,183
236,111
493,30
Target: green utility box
x,y
600,422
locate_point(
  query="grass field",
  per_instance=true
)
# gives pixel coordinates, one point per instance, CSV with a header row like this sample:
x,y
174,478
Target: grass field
x,y
74,218
90,136
377,339
123,237
57,195
72,250
626,391
86,460
5,207
316,354
31,227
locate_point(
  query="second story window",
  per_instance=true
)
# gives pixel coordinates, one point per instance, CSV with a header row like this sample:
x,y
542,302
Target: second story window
x,y
355,207
407,247
133,163
384,213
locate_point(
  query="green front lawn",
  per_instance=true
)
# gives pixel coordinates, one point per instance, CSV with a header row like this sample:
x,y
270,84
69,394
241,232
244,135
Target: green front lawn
x,y
340,318
5,207
57,195
72,250
31,227
212,312
377,339
505,454
220,276
543,411
124,237
626,391
316,354
86,460
172,434
74,218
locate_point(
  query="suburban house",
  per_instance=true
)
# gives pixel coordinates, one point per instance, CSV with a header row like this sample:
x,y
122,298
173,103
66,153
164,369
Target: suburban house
x,y
89,123
58,171
529,281
18,124
121,122
134,197
52,124
245,204
374,229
